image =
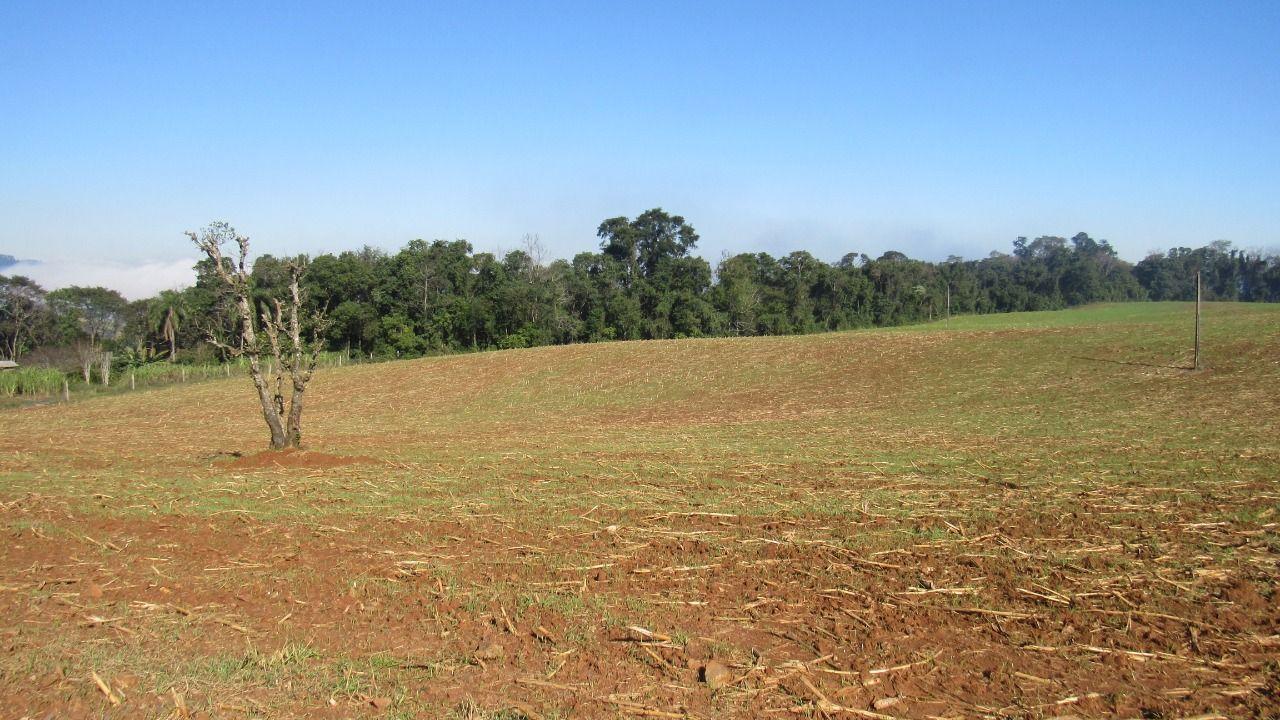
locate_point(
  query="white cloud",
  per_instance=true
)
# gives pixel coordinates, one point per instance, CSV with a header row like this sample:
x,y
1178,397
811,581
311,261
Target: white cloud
x,y
133,281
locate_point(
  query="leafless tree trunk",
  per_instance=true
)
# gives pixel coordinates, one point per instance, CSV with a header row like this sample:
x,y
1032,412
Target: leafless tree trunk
x,y
87,353
104,368
281,337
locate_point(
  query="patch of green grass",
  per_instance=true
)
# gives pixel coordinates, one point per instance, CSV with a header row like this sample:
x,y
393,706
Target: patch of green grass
x,y
567,604
252,667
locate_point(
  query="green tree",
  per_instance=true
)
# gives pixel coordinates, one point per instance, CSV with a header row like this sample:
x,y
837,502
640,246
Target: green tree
x,y
89,318
24,314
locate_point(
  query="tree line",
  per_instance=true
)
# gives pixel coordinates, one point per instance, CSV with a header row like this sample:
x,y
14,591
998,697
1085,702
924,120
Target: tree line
x,y
643,282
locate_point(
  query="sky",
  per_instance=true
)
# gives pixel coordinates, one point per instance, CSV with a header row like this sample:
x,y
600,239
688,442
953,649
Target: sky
x,y
935,128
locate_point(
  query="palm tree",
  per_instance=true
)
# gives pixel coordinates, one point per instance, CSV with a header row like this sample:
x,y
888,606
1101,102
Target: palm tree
x,y
167,312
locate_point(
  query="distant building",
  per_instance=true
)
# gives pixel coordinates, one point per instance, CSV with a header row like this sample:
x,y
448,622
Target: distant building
x,y
8,365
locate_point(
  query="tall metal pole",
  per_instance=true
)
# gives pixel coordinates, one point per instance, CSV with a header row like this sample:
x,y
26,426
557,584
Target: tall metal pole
x,y
1197,320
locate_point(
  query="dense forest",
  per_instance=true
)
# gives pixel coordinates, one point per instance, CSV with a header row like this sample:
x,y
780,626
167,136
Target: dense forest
x,y
644,282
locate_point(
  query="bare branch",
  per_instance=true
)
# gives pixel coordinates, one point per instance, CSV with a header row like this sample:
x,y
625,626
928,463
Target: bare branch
x,y
213,340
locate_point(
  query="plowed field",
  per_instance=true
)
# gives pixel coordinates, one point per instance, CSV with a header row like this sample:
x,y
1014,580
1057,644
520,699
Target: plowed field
x,y
1030,515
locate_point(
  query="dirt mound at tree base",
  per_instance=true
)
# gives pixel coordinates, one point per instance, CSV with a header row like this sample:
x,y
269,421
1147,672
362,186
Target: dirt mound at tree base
x,y
295,458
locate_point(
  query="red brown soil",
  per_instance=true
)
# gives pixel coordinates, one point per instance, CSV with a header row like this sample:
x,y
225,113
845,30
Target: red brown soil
x,y
295,458
804,626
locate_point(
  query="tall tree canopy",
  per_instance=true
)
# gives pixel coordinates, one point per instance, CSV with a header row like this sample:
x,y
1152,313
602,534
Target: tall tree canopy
x,y
643,281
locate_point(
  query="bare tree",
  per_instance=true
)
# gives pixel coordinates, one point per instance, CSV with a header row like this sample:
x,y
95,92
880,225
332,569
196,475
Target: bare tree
x,y
281,339
532,245
87,353
104,367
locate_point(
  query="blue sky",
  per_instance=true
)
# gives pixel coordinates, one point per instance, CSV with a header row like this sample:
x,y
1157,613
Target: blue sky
x,y
934,128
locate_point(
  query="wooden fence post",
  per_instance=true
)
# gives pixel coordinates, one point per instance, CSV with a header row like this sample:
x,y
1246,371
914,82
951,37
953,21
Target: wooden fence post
x,y
948,304
1197,353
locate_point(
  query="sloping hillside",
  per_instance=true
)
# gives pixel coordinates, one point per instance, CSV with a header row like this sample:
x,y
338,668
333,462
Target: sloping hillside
x,y
1030,514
